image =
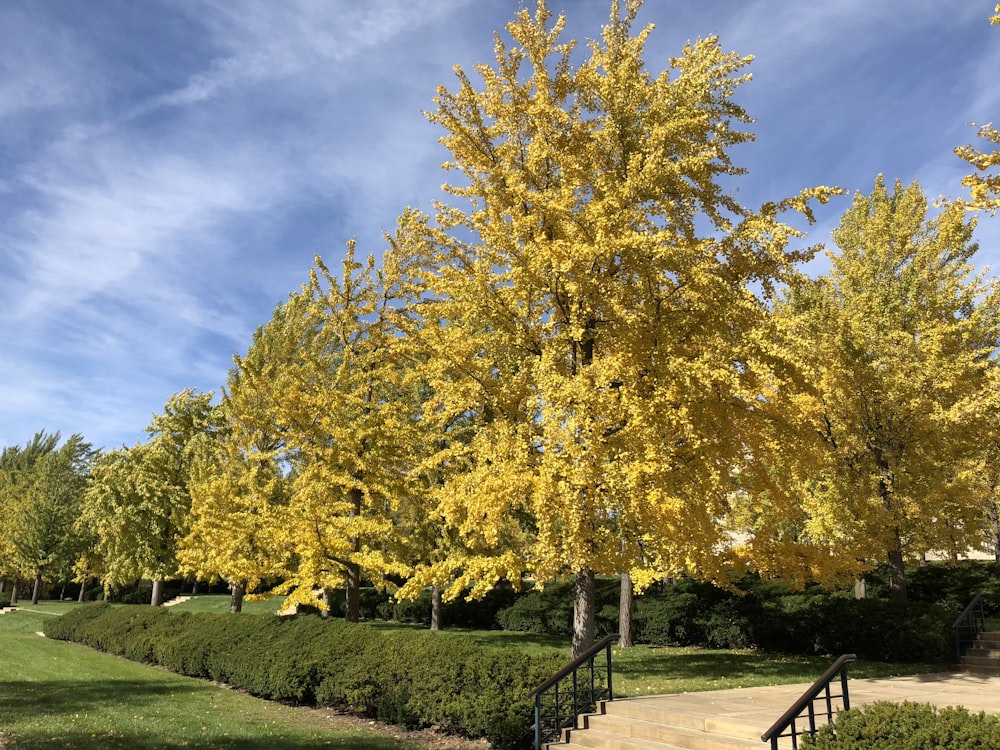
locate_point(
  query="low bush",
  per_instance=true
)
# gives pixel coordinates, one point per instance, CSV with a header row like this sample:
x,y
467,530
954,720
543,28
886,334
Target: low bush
x,y
415,679
907,726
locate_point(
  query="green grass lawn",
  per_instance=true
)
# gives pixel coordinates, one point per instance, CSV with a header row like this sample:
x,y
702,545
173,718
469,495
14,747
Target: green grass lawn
x,y
220,603
59,695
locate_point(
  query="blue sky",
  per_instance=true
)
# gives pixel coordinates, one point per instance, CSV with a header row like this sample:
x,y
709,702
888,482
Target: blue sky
x,y
169,169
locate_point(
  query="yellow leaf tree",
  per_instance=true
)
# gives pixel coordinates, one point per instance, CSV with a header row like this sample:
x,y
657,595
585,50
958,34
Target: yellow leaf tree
x,y
326,379
897,344
984,188
597,300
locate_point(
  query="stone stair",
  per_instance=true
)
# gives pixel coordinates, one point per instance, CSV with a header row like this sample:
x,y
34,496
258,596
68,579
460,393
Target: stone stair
x,y
983,657
679,722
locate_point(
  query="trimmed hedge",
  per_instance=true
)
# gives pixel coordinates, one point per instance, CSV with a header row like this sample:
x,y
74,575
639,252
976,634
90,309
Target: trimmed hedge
x,y
907,726
415,679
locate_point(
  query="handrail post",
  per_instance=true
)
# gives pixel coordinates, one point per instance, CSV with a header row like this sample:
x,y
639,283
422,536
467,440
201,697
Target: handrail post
x,y
972,620
807,702
580,703
607,660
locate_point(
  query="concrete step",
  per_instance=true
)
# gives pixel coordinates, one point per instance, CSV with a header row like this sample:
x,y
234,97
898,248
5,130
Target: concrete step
x,y
694,715
990,671
611,732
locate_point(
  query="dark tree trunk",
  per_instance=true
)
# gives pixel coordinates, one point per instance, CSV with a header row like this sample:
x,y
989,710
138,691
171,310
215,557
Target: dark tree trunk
x,y
62,591
897,573
626,599
3,585
13,593
36,591
157,597
583,611
435,607
239,591
352,610
194,587
83,590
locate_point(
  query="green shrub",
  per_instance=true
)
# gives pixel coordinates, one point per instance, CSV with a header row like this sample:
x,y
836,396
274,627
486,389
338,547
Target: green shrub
x,y
410,678
907,726
550,610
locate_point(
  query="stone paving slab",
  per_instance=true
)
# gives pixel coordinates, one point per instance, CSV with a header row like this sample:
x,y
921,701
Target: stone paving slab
x,y
763,705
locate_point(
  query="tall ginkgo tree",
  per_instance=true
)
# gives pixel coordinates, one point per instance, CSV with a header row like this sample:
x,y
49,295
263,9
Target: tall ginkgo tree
x,y
597,303
897,344
325,378
984,186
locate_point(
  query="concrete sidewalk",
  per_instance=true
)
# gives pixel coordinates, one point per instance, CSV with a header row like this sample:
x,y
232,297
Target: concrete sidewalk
x,y
755,709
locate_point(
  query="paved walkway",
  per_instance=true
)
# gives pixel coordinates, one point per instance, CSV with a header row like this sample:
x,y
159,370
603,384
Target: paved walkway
x,y
761,706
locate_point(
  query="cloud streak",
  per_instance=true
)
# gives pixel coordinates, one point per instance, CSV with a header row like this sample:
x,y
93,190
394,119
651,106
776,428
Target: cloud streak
x,y
166,176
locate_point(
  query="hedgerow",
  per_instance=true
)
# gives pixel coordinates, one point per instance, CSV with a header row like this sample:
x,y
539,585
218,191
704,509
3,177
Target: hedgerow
x,y
415,679
907,726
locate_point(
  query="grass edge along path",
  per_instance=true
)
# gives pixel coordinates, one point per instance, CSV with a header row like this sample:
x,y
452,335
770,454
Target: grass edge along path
x,y
55,694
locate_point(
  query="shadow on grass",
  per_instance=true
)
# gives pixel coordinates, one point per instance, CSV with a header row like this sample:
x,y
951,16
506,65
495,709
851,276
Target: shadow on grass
x,y
93,741
74,714
74,696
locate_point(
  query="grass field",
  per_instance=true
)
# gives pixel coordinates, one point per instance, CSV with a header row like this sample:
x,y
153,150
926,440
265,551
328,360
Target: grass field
x,y
59,695
56,694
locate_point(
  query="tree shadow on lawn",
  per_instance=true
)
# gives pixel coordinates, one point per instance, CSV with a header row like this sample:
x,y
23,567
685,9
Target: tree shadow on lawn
x,y
67,713
130,740
73,696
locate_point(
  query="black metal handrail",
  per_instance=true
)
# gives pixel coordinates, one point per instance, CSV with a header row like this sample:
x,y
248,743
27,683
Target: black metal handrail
x,y
589,685
785,726
969,624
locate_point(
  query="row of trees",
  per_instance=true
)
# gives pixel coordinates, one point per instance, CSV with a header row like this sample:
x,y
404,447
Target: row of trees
x,y
593,361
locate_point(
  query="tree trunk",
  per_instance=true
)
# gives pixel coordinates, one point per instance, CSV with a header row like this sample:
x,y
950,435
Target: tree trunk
x,y
897,572
13,593
3,585
83,590
860,588
435,607
352,612
994,533
194,587
583,611
239,590
62,591
157,598
327,597
626,600
36,592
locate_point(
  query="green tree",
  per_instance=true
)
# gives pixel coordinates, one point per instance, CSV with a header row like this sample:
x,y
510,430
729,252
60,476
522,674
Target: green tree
x,y
138,504
42,489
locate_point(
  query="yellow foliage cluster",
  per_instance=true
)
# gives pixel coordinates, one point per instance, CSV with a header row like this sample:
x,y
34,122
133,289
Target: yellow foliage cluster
x,y
594,359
